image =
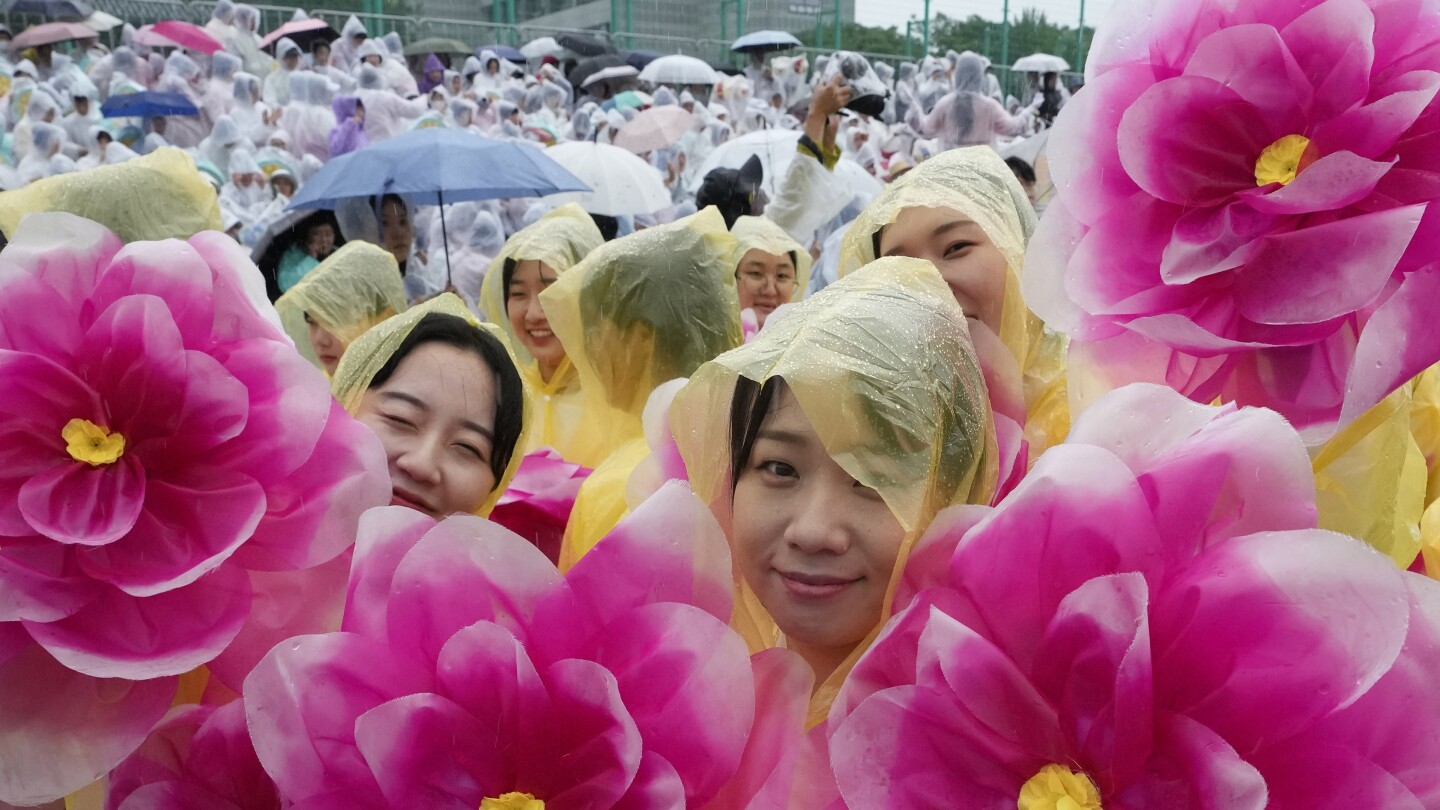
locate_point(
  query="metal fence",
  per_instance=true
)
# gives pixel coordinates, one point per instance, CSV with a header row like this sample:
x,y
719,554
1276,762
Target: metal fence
x,y
471,32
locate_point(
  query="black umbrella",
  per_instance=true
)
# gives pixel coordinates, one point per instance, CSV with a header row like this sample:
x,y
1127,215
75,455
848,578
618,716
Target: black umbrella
x,y
49,9
585,67
583,45
289,229
639,59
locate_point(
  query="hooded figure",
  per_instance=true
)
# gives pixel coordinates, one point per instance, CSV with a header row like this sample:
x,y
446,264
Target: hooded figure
x,y
353,289
462,113
308,117
397,73
509,297
968,116
434,73
47,140
248,112
876,378
86,113
244,193
245,42
222,142
348,134
277,84
221,25
771,269
219,96
344,51
41,109
639,311
1024,361
386,114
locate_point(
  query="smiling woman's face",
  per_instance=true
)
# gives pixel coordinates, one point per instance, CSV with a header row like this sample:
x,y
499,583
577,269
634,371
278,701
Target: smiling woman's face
x,y
816,546
435,417
970,263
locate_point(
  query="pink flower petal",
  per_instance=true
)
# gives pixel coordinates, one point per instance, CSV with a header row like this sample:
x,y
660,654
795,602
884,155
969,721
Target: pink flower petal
x,y
657,786
928,564
1195,767
1401,340
54,337
63,730
685,678
222,758
301,703
782,697
425,751
289,406
120,636
185,531
79,504
464,570
1253,60
1193,141
242,310
171,271
311,516
1373,129
597,746
385,535
1057,237
670,549
1108,271
1266,634
1078,515
1338,68
63,250
38,581
1321,272
1350,780
1334,181
1096,669
1082,147
1207,241
161,758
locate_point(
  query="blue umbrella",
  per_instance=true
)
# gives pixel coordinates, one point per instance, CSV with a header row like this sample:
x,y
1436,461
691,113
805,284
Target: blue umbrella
x,y
147,105
435,166
504,52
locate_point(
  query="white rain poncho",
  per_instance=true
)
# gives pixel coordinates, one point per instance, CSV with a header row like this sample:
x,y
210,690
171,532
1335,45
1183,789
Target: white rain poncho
x,y
245,42
219,94
386,114
223,141
47,142
474,243
244,201
308,117
248,112
343,52
277,84
77,126
42,108
968,116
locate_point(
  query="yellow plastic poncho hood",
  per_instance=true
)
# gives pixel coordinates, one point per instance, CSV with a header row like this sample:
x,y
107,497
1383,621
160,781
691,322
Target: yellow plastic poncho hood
x,y
159,196
759,233
882,365
976,182
358,286
372,350
642,310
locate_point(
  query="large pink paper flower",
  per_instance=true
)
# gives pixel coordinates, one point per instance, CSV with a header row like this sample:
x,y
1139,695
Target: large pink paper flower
x,y
468,669
1150,621
160,444
1242,202
197,756
537,503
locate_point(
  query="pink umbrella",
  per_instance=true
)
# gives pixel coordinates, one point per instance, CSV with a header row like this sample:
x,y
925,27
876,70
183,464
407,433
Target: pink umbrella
x,y
295,29
51,33
177,34
655,128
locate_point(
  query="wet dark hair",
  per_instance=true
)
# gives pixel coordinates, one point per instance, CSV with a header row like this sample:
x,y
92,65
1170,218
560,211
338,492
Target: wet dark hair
x,y
1023,172
748,407
450,330
609,226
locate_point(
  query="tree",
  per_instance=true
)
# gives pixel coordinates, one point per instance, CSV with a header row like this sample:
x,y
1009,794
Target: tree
x,y
856,37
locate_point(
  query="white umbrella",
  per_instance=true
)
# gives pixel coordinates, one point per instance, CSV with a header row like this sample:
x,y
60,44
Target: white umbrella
x,y
616,72
678,69
776,148
655,128
541,48
103,22
765,41
1041,63
621,183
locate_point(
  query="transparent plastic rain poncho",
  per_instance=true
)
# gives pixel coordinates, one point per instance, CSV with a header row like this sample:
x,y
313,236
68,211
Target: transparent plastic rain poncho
x,y
640,311
976,183
882,365
178,201
355,288
373,349
759,233
560,239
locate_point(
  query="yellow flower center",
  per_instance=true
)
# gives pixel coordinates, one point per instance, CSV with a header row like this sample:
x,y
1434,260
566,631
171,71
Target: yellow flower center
x,y
512,801
1282,160
1056,787
92,444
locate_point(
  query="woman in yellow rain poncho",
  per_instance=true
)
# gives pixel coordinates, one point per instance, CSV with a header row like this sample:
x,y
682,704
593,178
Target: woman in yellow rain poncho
x,y
771,269
964,211
441,392
533,259
827,445
358,286
637,312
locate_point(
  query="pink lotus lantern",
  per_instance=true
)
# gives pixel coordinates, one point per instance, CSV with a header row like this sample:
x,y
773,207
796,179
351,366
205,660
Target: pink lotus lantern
x,y
1242,203
470,673
1149,620
162,443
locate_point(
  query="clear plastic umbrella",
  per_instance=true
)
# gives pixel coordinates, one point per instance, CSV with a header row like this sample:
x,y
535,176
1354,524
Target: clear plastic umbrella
x,y
776,149
678,69
762,41
621,183
655,128
1041,63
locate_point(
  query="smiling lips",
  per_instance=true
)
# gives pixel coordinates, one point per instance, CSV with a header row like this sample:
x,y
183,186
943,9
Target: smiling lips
x,y
399,497
540,335
815,586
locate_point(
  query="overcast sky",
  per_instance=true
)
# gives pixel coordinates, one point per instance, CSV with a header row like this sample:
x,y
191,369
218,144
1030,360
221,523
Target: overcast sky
x,y
894,13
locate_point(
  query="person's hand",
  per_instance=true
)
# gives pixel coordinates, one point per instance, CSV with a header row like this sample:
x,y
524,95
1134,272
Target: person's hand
x,y
830,97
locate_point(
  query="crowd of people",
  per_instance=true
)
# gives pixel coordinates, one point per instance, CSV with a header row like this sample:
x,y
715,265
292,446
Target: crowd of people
x,y
848,480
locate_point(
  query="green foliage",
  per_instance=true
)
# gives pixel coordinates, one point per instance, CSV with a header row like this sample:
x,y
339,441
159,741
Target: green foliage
x,y
856,37
1030,32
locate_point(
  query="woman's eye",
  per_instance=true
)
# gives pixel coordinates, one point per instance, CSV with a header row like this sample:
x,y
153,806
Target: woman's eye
x,y
398,422
957,248
471,450
778,469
